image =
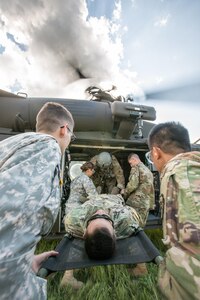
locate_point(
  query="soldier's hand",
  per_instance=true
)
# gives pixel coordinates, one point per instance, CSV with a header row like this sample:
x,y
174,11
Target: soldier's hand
x,y
125,194
40,258
120,186
122,191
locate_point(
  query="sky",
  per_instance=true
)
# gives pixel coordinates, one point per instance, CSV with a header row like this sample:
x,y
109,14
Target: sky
x,y
54,48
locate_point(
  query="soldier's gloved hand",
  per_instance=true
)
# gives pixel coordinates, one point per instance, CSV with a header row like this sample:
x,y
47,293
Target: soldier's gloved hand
x,y
122,191
40,258
83,199
120,186
125,194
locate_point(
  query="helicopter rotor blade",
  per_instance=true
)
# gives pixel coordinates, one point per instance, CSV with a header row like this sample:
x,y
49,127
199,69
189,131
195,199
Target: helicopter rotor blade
x,y
181,93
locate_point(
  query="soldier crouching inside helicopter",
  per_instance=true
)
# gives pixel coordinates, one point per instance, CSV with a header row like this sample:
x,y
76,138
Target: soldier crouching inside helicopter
x,y
108,177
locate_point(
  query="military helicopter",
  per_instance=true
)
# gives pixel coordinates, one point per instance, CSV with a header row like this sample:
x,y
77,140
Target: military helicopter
x,y
105,123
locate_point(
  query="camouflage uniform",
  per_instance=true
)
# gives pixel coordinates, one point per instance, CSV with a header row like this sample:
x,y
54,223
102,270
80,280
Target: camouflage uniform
x,y
80,188
125,218
140,191
30,198
179,275
110,179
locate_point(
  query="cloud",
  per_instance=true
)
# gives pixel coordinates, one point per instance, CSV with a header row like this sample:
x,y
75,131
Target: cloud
x,y
15,87
63,44
117,10
67,49
134,3
2,49
162,21
22,46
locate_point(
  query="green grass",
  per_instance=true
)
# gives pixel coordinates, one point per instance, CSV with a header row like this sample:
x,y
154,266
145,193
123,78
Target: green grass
x,y
107,282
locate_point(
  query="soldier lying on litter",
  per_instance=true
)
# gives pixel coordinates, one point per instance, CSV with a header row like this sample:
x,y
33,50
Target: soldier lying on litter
x,y
100,221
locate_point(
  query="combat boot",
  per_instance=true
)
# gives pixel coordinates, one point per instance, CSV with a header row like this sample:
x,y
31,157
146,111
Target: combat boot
x,y
138,270
69,279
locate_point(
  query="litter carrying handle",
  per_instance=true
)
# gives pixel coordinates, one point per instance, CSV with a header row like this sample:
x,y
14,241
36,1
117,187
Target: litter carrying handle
x,y
158,260
43,273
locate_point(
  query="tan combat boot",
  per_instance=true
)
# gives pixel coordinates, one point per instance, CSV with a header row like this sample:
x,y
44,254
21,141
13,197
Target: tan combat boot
x,y
69,279
139,270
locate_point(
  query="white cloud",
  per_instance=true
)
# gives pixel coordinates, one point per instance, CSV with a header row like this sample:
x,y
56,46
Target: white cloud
x,y
178,112
63,41
117,10
134,3
162,21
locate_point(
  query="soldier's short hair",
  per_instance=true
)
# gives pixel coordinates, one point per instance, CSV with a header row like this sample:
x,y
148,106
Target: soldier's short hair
x,y
87,165
170,137
100,244
51,116
133,155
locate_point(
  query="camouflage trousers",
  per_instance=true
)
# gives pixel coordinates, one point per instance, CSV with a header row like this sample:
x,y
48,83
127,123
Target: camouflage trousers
x,y
141,206
108,187
179,276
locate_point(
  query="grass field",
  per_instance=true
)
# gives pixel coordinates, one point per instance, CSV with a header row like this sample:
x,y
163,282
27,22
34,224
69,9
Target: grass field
x,y
107,282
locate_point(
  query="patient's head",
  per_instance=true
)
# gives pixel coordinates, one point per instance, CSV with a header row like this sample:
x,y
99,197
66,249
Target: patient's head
x,y
99,236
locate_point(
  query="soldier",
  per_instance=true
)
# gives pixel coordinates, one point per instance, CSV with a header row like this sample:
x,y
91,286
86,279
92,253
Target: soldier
x,y
139,190
81,187
100,221
108,177
139,193
170,150
30,199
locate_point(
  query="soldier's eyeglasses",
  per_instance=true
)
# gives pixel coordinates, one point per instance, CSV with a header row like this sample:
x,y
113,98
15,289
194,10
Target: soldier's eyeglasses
x,y
149,157
73,137
97,216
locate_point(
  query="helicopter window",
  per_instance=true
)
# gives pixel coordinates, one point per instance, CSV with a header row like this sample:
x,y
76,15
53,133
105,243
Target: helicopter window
x,y
75,168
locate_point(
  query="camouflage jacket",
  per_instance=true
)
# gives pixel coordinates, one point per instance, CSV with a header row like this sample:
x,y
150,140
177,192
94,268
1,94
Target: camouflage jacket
x,y
30,198
80,188
125,218
180,194
140,185
114,171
